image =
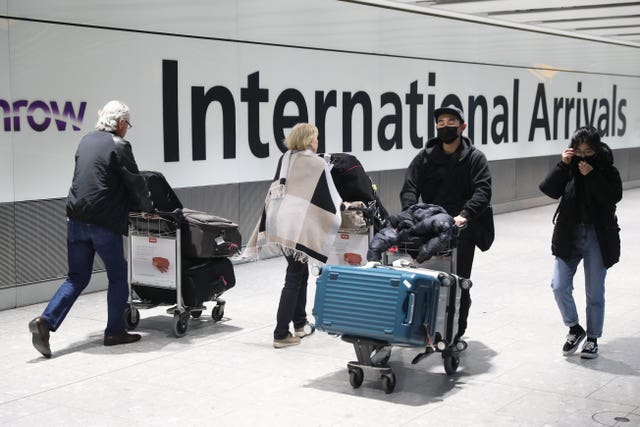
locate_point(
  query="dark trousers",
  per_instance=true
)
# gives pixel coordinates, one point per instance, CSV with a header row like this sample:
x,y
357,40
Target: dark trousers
x,y
83,241
466,251
293,299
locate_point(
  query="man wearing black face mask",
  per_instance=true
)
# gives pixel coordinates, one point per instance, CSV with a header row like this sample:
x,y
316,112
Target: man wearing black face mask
x,y
452,173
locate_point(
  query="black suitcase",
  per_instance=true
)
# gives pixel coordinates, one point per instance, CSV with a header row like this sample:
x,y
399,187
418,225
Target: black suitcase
x,y
208,236
202,280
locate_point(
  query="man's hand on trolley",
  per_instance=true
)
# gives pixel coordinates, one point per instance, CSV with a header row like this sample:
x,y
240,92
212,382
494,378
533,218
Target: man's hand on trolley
x,y
460,221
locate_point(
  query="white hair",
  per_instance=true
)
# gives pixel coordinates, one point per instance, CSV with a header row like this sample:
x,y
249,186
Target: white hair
x,y
110,114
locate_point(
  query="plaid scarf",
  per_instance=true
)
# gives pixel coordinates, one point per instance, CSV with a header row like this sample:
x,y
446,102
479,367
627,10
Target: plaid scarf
x,y
301,213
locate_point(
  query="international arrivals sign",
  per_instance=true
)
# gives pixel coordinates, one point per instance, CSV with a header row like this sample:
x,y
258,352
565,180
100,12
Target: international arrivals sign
x,y
210,112
493,118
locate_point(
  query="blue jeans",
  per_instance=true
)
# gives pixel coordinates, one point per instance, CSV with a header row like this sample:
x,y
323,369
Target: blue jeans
x,y
83,241
585,247
293,298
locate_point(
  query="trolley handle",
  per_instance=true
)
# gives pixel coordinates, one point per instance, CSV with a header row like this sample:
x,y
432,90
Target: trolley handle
x,y
175,215
367,212
458,228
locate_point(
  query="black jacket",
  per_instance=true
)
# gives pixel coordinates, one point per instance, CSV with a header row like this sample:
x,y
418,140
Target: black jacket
x,y
597,193
106,183
460,183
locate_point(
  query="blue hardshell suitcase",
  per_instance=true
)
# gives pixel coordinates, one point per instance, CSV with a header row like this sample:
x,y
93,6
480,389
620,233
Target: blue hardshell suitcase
x,y
393,305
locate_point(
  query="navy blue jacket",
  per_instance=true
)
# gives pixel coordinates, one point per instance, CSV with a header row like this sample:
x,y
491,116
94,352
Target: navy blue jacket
x,y
106,183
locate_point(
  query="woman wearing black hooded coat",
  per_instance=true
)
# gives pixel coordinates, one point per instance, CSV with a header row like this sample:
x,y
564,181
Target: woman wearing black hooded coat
x,y
586,228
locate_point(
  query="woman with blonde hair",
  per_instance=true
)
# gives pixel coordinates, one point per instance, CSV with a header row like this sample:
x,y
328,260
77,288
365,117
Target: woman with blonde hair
x,y
301,217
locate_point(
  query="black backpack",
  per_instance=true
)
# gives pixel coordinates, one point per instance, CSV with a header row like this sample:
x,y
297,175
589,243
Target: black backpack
x,y
163,196
351,180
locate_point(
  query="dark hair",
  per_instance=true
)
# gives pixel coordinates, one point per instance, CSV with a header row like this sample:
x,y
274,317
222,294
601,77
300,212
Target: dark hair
x,y
588,135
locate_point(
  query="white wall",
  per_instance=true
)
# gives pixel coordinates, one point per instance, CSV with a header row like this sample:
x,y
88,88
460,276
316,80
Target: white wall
x,y
116,51
6,142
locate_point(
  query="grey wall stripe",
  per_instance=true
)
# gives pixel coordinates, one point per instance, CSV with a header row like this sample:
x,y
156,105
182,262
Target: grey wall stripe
x,y
33,233
7,245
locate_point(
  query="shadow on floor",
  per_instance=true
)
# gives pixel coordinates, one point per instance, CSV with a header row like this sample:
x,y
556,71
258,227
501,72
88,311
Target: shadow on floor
x,y
421,384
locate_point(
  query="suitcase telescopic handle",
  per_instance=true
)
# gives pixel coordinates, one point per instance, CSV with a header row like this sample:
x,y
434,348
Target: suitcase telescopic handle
x,y
411,306
457,229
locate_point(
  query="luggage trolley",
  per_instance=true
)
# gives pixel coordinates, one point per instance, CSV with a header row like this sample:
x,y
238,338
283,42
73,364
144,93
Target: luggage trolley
x,y
445,341
402,304
155,266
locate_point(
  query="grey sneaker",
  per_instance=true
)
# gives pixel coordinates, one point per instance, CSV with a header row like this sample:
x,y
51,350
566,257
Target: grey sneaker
x,y
589,350
305,331
288,341
572,343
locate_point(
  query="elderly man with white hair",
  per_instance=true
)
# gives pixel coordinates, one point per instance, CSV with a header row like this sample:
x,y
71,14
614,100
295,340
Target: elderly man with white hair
x,y
106,186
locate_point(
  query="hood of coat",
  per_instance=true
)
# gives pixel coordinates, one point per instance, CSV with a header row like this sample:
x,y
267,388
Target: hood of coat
x,y
606,153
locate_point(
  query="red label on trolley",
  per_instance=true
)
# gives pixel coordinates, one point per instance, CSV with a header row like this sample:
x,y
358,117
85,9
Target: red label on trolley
x,y
344,236
153,240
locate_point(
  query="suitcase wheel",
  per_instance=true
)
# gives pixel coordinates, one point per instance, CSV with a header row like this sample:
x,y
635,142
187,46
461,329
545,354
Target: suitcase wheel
x,y
131,318
180,324
356,375
217,312
388,382
461,345
451,363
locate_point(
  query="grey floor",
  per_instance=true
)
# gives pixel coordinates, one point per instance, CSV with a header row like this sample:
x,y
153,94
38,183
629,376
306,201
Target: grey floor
x,y
228,373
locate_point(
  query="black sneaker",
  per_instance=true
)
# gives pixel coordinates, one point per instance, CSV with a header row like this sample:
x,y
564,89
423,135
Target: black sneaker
x,y
589,350
572,343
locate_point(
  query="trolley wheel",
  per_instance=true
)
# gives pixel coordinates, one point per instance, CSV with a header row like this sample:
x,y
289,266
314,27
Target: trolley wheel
x,y
388,382
451,363
180,324
217,312
356,375
131,318
196,314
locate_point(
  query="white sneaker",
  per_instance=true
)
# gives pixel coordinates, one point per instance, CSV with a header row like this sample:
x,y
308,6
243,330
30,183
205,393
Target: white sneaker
x,y
305,331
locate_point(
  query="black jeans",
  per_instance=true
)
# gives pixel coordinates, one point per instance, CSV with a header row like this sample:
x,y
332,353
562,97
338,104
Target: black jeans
x,y
293,299
466,251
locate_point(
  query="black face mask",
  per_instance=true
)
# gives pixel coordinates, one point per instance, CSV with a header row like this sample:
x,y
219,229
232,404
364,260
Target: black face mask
x,y
574,165
448,134
594,161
